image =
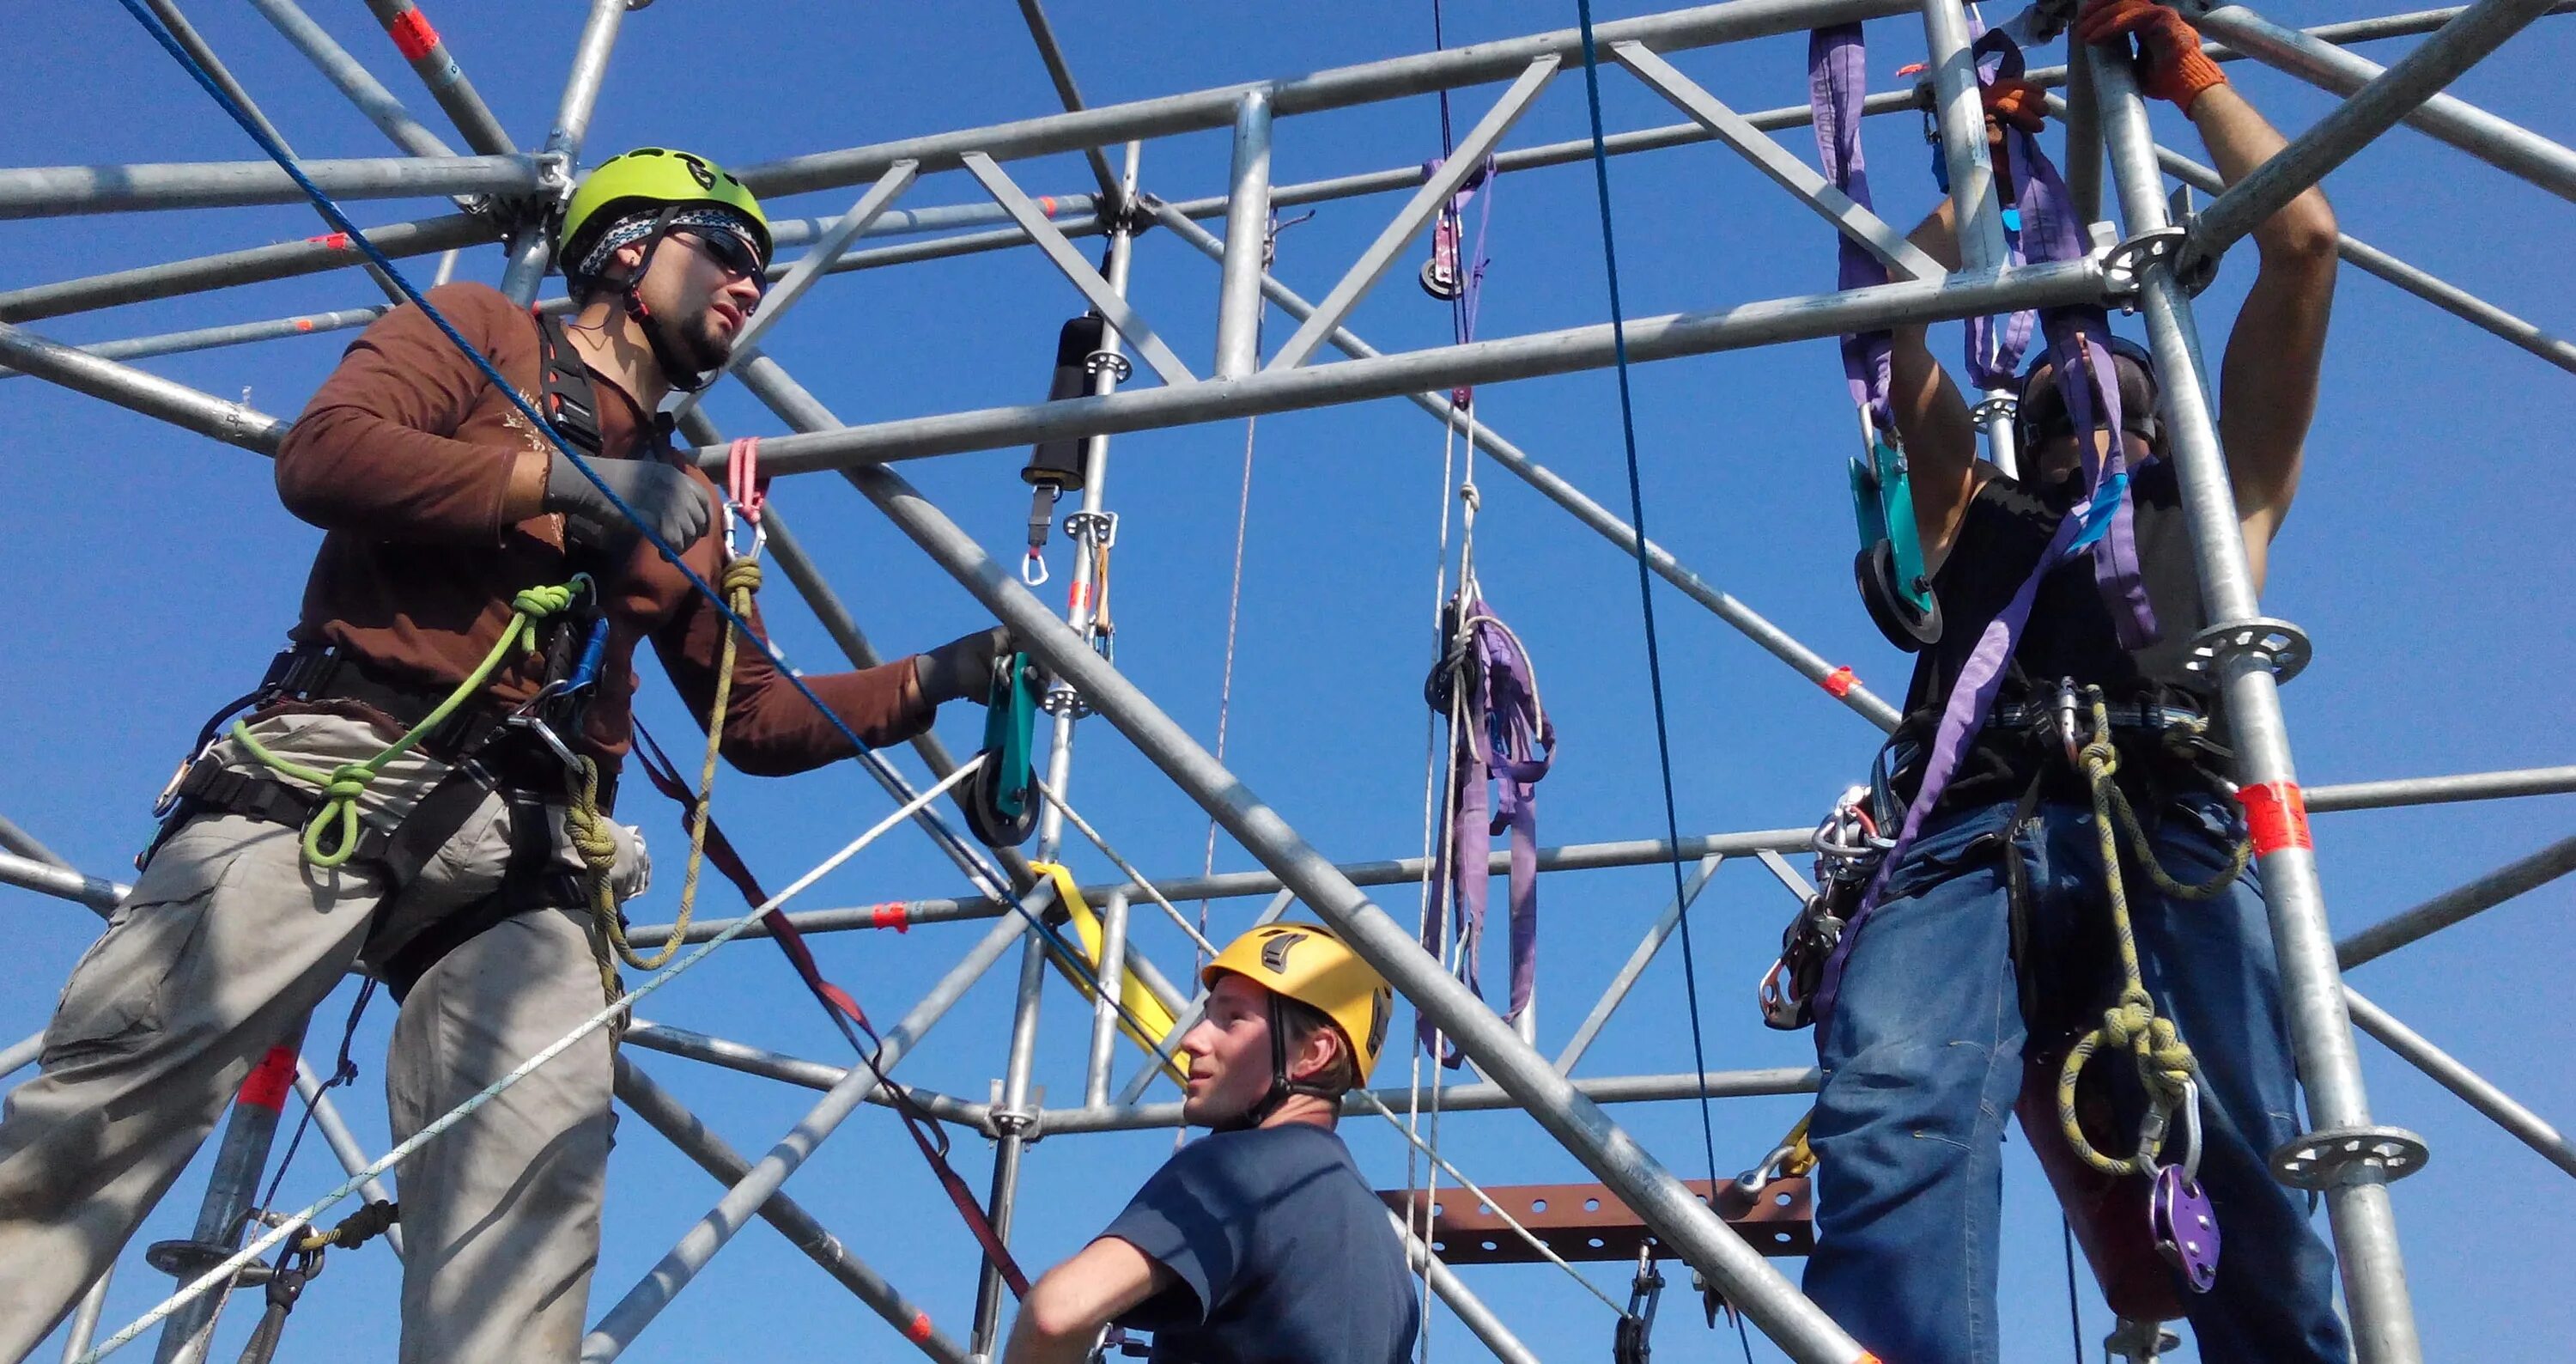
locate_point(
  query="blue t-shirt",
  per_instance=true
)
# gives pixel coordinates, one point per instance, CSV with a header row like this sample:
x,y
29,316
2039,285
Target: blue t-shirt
x,y
1283,1253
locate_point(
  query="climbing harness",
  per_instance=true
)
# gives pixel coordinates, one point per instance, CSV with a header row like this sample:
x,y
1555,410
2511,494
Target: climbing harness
x,y
343,785
1632,1344
1503,744
1055,466
1001,800
1889,571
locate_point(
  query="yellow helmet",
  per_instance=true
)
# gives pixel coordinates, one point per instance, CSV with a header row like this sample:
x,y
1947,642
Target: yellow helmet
x,y
651,178
1310,964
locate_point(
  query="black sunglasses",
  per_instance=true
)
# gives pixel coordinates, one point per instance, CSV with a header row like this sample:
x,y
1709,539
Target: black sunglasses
x,y
730,253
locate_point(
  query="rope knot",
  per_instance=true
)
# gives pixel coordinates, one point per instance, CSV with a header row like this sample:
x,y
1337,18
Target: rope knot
x,y
740,575
542,601
348,781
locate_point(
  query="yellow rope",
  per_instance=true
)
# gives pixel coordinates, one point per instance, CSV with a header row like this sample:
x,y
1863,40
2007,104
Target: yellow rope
x,y
343,785
2165,1065
591,832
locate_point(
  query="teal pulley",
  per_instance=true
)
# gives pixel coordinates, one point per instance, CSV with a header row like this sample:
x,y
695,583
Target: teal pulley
x,y
1002,797
1889,568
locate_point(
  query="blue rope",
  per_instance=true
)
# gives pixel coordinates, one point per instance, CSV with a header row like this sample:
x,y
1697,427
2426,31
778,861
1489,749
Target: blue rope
x,y
1645,584
995,884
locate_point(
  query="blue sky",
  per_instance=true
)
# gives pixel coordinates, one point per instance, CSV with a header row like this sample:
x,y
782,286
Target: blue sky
x,y
2423,558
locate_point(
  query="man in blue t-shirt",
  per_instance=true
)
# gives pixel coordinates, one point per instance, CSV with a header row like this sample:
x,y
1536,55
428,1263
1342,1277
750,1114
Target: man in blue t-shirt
x,y
1259,1244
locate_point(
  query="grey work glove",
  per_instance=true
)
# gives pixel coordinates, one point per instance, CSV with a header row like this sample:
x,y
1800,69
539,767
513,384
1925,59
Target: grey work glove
x,y
666,498
961,669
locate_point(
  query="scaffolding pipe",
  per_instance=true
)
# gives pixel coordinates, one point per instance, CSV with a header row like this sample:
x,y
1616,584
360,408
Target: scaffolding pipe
x,y
1245,253
84,1323
2372,110
1482,1096
436,66
2474,1089
650,1295
1010,1125
1472,1312
61,191
2460,902
1066,92
178,277
22,1053
1754,626
532,249
27,845
1395,78
1104,1004
228,334
355,82
1802,318
199,274
149,394
2450,298
1677,1216
2365,1228
1127,1115
668,1116
2501,143
63,883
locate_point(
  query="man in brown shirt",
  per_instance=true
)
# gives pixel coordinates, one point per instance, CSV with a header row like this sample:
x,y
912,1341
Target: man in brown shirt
x,y
440,504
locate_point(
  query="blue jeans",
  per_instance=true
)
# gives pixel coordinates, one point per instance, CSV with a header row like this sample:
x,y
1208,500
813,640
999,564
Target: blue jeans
x,y
1923,1058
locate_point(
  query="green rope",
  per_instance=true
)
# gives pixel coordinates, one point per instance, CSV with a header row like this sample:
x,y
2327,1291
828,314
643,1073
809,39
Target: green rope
x,y
343,785
2166,1067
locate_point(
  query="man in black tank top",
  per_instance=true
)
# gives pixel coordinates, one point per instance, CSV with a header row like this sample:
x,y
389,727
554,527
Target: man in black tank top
x,y
1991,937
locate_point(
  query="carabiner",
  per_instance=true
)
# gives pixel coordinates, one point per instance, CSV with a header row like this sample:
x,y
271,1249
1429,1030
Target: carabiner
x,y
733,525
1033,568
2066,723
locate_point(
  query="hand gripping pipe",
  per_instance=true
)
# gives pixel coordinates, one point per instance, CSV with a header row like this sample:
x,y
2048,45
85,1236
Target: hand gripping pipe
x,y
1670,1208
2329,1064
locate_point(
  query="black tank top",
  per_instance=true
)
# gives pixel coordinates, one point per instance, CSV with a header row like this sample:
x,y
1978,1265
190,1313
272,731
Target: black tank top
x,y
2070,632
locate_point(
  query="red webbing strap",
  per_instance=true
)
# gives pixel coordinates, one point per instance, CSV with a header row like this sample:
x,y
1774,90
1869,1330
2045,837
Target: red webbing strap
x,y
665,778
2276,816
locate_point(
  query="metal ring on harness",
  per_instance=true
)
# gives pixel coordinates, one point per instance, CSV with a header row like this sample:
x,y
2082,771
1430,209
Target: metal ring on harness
x,y
1001,799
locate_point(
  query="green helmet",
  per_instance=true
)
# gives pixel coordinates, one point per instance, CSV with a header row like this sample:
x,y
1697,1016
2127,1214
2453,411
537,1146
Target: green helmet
x,y
649,179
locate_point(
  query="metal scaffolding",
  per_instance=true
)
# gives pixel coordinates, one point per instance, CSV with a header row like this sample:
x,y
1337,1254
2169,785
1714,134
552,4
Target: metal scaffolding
x,y
2142,264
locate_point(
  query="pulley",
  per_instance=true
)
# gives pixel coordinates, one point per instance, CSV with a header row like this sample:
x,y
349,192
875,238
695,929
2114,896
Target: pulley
x,y
1889,570
1002,798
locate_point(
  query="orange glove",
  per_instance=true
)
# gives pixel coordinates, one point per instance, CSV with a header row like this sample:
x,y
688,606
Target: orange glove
x,y
2171,65
2017,103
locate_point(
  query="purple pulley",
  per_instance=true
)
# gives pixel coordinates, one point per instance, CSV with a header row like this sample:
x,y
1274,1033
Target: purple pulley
x,y
2186,1228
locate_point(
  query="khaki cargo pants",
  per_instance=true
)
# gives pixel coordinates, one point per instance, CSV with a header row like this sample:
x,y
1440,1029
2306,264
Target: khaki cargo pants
x,y
226,941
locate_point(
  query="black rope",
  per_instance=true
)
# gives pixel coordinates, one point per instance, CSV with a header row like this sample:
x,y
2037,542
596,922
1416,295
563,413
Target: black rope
x,y
1645,583
343,1071
2074,1318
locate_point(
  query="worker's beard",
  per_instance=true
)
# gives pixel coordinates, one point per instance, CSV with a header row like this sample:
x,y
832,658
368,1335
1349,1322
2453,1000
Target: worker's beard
x,y
704,344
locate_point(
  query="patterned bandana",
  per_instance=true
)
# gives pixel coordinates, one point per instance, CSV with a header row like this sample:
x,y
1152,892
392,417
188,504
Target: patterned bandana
x,y
636,227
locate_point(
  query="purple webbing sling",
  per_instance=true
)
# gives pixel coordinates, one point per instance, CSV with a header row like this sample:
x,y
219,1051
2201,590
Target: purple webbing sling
x,y
1505,743
2102,524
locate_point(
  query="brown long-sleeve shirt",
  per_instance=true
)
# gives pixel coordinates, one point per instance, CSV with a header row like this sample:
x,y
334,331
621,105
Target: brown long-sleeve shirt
x,y
404,458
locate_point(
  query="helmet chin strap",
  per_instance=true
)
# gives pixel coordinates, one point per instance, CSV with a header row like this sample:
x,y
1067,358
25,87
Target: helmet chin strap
x,y
1281,1087
676,371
